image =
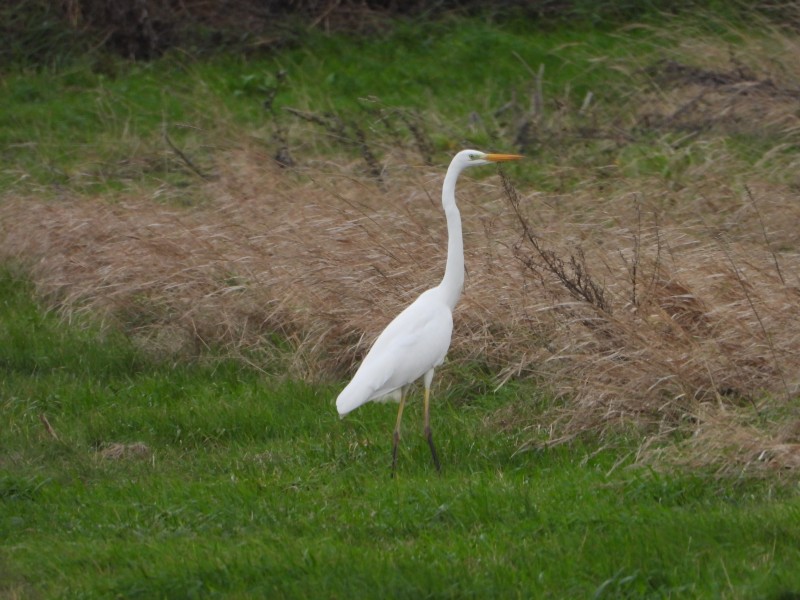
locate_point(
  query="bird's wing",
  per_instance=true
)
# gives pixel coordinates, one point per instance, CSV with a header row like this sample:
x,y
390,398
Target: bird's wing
x,y
413,343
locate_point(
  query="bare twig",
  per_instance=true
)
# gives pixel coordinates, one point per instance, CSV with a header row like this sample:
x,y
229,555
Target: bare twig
x,y
657,264
283,156
325,121
421,138
366,153
573,273
183,156
636,253
355,137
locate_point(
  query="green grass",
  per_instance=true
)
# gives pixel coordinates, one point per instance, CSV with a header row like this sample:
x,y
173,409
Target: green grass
x,y
254,488
96,125
251,486
450,67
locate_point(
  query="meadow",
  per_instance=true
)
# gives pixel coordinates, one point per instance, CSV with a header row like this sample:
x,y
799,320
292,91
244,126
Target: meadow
x,y
196,253
155,480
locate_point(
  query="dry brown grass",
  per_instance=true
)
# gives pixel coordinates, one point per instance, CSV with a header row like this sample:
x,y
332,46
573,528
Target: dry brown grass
x,y
667,302
690,318
321,258
697,314
118,451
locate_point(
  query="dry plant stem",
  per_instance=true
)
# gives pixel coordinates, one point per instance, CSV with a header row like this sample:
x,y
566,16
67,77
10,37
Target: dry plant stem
x,y
312,118
48,427
183,156
657,261
422,141
764,233
527,124
574,275
367,154
537,94
280,133
356,138
739,278
636,253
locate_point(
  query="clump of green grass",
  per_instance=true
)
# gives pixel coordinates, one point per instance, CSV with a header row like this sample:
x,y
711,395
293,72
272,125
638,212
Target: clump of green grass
x,y
246,486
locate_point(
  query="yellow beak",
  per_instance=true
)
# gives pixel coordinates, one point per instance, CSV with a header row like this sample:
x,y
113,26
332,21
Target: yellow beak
x,y
503,157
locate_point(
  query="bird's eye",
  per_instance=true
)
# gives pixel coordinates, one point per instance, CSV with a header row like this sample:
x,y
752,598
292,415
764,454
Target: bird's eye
x,y
474,157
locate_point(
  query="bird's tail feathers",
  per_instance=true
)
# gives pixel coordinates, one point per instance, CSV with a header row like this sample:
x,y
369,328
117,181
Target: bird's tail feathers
x,y
360,391
353,396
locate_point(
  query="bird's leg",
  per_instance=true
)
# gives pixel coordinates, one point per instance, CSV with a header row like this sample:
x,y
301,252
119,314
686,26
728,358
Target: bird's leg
x,y
428,434
396,436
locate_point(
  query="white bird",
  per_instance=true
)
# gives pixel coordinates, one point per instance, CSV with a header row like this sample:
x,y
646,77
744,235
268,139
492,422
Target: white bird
x,y
417,340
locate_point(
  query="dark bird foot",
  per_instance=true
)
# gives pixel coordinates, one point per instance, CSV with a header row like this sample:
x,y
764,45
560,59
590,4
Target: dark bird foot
x,y
429,437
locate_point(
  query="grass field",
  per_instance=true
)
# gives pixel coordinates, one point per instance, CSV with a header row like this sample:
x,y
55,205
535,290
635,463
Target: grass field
x,y
618,415
235,486
476,92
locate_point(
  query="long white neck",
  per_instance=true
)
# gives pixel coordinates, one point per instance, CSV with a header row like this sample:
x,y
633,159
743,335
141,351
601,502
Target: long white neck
x,y
453,280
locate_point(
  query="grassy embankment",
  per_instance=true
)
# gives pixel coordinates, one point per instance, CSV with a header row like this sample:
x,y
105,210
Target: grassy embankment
x,y
162,475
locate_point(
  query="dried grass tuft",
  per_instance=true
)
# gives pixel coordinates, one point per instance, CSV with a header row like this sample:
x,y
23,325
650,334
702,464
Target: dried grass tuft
x,y
119,451
734,445
687,317
315,261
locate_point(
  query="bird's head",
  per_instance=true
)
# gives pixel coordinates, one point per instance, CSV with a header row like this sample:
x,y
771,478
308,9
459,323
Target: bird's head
x,y
474,158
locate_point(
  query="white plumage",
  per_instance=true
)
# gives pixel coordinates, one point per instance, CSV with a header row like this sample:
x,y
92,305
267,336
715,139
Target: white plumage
x,y
413,343
417,340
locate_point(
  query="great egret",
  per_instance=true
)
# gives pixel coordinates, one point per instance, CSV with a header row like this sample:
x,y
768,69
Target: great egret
x,y
417,340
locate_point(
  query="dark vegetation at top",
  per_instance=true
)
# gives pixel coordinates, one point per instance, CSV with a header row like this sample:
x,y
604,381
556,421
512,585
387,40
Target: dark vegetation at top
x,y
44,33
